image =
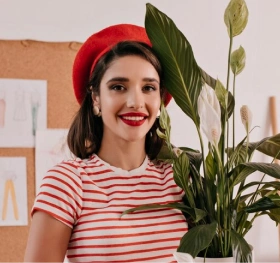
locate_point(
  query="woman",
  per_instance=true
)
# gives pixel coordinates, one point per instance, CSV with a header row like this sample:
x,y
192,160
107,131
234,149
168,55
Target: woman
x,y
78,211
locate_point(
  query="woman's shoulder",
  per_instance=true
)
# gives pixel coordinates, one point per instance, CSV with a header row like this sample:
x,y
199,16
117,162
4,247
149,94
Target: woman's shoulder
x,y
77,166
74,167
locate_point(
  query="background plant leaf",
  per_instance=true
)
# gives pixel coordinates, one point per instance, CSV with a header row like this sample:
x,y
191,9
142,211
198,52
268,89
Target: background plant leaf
x,y
271,146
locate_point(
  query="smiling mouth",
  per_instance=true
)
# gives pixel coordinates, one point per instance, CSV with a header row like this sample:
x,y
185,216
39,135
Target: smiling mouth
x,y
133,120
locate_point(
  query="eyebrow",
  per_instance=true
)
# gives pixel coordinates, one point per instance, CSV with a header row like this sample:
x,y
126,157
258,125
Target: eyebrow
x,y
126,79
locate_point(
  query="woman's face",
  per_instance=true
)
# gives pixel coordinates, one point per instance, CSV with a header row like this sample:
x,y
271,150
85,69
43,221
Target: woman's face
x,y
129,99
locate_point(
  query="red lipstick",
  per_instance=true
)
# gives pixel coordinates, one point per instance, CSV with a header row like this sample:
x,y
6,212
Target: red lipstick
x,y
133,118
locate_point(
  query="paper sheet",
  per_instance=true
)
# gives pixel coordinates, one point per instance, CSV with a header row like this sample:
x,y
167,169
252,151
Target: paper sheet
x,y
23,110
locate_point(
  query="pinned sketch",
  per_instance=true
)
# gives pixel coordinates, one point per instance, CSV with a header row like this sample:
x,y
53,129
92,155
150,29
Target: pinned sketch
x,y
51,149
13,191
23,110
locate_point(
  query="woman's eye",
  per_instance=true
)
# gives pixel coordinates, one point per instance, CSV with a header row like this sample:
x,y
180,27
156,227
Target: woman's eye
x,y
149,88
118,87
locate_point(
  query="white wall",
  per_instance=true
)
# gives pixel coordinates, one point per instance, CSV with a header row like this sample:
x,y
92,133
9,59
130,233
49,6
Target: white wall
x,y
202,23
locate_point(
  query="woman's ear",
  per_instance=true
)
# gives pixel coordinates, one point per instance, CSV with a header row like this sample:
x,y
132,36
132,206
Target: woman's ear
x,y
95,99
96,104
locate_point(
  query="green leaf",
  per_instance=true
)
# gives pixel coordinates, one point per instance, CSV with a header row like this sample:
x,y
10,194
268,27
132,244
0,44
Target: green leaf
x,y
241,171
160,134
273,184
207,79
235,156
241,249
221,93
187,149
271,146
181,175
182,75
211,167
236,15
181,171
225,98
262,191
165,154
164,119
197,239
240,155
231,104
265,203
195,157
237,61
274,214
196,214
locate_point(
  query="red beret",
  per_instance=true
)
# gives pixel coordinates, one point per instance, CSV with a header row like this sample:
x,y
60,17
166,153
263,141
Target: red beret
x,y
96,46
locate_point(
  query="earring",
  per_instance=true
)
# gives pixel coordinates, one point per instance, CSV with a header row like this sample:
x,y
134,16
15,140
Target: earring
x,y
96,111
158,114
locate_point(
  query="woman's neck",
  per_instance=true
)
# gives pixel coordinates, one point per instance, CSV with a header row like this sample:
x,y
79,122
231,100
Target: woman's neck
x,y
128,156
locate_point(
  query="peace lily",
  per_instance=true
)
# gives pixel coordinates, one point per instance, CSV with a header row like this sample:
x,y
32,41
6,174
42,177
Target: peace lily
x,y
246,117
219,204
209,111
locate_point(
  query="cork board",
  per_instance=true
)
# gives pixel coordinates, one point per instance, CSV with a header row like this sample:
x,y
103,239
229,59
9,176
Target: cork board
x,y
27,59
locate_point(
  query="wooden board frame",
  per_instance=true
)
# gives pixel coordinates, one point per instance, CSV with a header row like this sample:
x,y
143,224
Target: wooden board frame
x,y
51,61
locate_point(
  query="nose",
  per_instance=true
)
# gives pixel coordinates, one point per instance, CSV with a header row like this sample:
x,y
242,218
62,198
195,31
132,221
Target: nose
x,y
135,99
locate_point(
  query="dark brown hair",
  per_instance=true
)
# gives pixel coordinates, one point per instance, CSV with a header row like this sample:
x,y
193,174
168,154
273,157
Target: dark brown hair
x,y
86,131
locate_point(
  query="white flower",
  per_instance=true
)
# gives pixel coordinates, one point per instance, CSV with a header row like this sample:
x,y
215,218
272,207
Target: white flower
x,y
246,117
209,111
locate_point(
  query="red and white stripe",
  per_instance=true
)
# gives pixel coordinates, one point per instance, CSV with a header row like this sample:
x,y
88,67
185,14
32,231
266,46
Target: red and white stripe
x,y
90,196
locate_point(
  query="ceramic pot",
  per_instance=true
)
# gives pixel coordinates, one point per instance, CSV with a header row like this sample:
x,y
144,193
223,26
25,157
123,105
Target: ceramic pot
x,y
185,258
214,260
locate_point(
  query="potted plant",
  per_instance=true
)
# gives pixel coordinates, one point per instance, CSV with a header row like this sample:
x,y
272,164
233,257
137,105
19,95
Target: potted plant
x,y
219,203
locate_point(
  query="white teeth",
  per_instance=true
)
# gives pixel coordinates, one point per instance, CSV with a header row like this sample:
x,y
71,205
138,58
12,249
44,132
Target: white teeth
x,y
133,118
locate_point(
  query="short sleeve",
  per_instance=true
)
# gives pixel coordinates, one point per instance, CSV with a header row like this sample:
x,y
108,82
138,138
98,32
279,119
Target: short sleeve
x,y
61,193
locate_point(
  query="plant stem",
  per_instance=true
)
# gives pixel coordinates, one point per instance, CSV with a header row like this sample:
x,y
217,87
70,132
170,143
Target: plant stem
x,y
222,212
226,194
228,78
233,114
209,202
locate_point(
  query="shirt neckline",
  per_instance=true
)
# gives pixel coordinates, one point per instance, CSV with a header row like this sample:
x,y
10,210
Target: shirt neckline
x,y
139,170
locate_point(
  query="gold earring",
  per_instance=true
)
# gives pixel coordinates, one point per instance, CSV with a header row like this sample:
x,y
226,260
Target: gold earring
x,y
96,111
158,114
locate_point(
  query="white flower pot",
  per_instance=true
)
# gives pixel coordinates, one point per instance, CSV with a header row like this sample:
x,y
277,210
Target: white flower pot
x,y
214,260
185,258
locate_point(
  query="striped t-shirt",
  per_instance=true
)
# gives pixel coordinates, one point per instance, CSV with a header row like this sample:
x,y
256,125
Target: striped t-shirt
x,y
90,195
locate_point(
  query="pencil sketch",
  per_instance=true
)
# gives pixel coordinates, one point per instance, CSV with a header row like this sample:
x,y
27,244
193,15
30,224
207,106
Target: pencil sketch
x,y
23,110
13,191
